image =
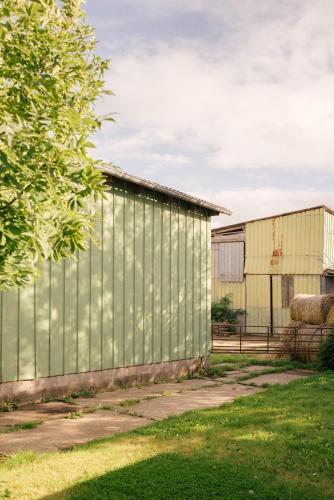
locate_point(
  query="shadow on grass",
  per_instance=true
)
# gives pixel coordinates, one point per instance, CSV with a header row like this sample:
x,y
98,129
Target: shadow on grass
x,y
170,476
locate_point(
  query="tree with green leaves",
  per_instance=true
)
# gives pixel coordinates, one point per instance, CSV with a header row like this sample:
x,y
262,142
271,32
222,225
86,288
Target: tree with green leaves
x,y
50,78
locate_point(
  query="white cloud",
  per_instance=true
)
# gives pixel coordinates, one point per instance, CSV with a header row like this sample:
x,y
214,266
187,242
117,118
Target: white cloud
x,y
267,102
247,204
257,99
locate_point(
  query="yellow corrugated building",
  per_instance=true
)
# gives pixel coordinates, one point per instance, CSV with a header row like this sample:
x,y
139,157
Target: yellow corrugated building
x,y
263,263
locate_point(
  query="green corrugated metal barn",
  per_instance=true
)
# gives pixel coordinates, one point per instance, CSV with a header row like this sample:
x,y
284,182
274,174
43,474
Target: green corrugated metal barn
x,y
140,298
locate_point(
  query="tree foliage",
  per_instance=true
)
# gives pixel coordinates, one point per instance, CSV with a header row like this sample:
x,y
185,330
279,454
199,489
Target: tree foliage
x,y
50,78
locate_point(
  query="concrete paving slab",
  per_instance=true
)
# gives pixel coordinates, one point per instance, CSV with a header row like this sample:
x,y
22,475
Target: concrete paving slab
x,y
185,385
169,399
41,411
230,377
191,400
256,368
233,372
64,433
52,408
20,417
113,398
277,378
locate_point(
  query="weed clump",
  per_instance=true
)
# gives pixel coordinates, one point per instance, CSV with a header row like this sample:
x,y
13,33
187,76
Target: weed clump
x,y
326,353
9,405
222,312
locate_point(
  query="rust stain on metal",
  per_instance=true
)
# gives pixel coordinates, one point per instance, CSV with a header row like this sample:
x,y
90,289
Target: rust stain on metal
x,y
277,252
278,245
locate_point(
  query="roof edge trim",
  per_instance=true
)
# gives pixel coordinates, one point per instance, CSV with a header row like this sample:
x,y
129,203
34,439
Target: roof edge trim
x,y
154,186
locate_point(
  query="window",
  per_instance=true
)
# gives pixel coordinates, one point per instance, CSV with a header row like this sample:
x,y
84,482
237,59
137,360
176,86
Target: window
x,y
287,287
228,261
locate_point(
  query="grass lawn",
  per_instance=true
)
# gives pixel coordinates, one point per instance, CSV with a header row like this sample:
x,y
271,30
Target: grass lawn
x,y
278,444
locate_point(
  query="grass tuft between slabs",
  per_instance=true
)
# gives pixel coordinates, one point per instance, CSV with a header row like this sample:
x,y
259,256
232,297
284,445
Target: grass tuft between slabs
x,y
21,427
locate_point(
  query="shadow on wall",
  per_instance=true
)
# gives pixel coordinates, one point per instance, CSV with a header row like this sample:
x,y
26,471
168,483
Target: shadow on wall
x,y
170,476
138,297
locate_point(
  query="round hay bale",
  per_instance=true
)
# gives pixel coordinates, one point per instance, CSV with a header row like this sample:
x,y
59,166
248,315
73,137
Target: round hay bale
x,y
302,341
287,338
330,317
311,309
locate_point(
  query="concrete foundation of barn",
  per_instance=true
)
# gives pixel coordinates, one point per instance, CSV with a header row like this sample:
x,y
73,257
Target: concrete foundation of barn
x,y
34,390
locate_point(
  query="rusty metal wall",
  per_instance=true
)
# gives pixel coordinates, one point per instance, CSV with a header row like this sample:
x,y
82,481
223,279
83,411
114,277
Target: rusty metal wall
x,y
253,295
257,301
143,296
290,244
258,297
301,284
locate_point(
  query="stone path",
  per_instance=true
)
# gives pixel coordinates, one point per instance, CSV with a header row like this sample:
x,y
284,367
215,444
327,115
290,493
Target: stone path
x,y
278,378
176,404
64,433
108,413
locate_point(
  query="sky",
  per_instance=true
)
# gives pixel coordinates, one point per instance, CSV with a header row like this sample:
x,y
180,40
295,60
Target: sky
x,y
229,100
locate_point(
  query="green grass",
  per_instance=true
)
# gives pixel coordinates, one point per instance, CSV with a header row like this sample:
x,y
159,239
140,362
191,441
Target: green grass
x,y
75,415
216,371
86,393
220,365
69,398
129,402
20,427
58,399
238,361
87,410
265,371
278,444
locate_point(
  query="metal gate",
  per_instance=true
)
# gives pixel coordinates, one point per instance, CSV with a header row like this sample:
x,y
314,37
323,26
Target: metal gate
x,y
266,339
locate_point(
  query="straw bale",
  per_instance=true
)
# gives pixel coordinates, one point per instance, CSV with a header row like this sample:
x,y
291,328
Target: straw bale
x,y
330,317
311,309
301,340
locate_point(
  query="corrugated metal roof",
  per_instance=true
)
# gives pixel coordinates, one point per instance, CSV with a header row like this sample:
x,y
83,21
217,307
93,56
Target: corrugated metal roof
x,y
240,225
229,230
154,186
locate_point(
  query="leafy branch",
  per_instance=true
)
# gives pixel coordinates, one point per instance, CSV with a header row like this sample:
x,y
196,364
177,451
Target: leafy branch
x,y
50,78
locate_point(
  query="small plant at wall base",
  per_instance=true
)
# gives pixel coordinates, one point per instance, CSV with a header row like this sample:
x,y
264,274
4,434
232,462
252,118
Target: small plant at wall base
x,y
9,405
326,353
222,312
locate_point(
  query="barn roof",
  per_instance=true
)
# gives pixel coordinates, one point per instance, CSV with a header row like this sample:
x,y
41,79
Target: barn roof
x,y
173,193
240,225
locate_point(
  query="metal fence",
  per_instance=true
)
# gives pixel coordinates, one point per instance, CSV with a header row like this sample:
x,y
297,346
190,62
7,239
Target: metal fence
x,y
266,339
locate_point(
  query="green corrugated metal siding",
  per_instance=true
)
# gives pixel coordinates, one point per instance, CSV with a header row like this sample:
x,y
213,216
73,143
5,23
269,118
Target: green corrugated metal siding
x,y
142,296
